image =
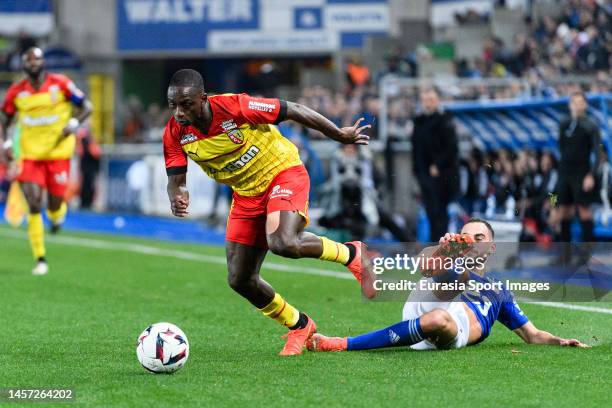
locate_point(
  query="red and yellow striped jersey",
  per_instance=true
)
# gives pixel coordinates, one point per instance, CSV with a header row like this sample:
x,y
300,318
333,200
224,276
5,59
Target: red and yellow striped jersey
x,y
242,149
43,114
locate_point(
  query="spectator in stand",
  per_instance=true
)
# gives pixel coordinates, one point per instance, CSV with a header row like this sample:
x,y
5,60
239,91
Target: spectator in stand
x,y
352,197
154,120
473,182
537,206
399,126
357,73
133,122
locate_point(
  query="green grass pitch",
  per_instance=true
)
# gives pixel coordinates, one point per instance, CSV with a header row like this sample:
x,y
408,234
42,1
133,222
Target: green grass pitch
x,y
77,327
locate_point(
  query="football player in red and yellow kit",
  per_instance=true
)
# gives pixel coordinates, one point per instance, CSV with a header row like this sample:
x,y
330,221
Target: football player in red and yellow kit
x,y
233,139
44,104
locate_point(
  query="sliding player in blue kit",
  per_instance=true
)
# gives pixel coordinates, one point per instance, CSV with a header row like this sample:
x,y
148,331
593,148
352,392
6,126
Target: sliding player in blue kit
x,y
463,320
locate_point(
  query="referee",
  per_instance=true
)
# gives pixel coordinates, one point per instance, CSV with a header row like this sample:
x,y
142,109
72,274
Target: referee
x,y
578,140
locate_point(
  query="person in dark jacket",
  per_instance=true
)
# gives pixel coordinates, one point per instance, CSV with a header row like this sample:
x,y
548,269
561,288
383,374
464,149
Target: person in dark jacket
x,y
579,140
435,161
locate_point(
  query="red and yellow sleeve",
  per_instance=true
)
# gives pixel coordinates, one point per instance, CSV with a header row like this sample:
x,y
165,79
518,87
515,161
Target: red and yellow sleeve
x,y
259,111
70,90
176,159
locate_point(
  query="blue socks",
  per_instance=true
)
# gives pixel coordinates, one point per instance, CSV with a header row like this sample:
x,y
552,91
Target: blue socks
x,y
400,334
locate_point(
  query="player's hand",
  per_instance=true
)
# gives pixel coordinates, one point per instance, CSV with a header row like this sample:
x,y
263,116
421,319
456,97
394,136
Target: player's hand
x,y
588,183
433,171
573,343
179,204
71,127
448,237
6,151
353,135
455,245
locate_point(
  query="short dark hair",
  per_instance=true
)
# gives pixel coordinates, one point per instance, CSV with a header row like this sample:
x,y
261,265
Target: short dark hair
x,y
428,89
187,78
486,223
578,93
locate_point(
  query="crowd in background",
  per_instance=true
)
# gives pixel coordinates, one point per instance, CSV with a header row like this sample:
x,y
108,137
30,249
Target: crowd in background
x,y
140,125
578,41
521,185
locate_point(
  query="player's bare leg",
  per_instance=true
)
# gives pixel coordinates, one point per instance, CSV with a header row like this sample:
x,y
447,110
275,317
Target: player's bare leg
x,y
56,212
244,263
436,326
36,231
286,237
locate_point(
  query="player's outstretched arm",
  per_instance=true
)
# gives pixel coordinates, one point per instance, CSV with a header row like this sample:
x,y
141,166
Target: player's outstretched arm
x,y
532,335
314,120
178,194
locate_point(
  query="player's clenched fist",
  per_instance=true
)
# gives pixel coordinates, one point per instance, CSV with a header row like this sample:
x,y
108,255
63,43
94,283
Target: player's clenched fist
x,y
179,203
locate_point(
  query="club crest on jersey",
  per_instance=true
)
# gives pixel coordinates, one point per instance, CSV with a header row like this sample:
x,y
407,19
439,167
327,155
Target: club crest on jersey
x,y
236,136
188,138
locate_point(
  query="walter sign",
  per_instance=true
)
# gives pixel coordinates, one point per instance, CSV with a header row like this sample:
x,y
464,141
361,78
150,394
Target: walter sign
x,y
180,24
248,26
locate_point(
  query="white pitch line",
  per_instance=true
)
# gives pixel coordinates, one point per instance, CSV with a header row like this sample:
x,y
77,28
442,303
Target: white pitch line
x,y
570,306
219,260
171,253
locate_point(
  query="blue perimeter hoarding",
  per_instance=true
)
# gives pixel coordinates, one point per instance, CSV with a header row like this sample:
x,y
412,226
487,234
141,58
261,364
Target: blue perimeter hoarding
x,y
247,26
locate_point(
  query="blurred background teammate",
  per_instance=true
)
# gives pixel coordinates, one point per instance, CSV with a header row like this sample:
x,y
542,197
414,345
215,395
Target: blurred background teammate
x,y
44,104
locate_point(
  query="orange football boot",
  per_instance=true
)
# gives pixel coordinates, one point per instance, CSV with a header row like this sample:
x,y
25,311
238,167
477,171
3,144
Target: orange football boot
x,y
319,342
296,339
361,268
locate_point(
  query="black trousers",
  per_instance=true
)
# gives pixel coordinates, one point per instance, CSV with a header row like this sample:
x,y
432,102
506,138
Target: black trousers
x,y
437,193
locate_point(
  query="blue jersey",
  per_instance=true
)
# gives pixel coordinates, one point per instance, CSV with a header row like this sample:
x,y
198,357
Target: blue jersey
x,y
492,305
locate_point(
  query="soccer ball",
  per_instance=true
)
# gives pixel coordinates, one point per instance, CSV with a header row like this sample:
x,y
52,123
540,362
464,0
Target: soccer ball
x,y
162,348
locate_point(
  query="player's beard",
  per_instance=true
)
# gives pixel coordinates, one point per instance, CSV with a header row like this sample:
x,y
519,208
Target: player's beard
x,y
34,75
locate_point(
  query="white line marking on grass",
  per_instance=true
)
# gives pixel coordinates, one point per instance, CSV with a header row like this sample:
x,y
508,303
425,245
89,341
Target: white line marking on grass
x,y
171,253
570,306
219,260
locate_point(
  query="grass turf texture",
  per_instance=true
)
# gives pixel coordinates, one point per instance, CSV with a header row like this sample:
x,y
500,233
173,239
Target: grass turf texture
x,y
77,327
